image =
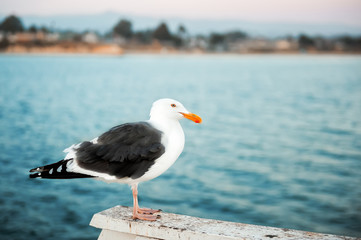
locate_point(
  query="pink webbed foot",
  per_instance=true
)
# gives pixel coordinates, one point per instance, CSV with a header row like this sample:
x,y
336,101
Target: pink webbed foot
x,y
147,217
148,211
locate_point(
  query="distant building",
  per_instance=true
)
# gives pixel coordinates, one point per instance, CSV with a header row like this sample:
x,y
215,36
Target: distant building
x,y
27,37
21,37
90,37
263,45
252,45
51,37
197,42
286,45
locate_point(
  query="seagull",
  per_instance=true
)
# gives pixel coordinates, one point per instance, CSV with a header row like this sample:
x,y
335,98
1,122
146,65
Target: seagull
x,y
129,153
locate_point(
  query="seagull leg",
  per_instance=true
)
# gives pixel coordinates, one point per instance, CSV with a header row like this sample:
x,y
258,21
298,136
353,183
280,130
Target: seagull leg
x,y
138,213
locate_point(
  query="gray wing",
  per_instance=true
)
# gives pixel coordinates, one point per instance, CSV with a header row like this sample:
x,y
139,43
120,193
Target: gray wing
x,y
127,150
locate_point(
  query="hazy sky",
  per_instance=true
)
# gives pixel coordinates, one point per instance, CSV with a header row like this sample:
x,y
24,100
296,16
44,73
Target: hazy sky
x,y
302,11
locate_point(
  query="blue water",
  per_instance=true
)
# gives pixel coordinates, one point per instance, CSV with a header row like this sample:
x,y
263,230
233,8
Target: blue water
x,y
280,144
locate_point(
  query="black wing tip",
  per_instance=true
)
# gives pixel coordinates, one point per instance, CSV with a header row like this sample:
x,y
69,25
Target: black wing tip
x,y
34,175
48,167
35,169
52,171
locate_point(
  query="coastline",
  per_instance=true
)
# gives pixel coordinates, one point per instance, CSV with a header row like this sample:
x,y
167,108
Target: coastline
x,y
117,51
66,48
156,48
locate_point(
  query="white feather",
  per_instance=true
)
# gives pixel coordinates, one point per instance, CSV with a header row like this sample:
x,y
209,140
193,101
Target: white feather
x,y
71,151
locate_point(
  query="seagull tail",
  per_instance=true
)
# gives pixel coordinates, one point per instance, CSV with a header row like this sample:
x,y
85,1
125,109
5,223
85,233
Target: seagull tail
x,y
58,170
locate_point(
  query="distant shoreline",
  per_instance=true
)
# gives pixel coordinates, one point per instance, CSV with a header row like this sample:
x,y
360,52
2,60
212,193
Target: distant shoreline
x,y
109,49
112,49
178,53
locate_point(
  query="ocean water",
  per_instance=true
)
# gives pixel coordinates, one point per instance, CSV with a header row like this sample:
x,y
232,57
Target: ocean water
x,y
280,144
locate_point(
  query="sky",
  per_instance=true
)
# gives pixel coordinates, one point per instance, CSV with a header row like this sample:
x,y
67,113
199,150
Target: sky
x,y
300,11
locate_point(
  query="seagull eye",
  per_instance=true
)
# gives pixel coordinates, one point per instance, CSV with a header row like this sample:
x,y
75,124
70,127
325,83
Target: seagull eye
x,y
173,105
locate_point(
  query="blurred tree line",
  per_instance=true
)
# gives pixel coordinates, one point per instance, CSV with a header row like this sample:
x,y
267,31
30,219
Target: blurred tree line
x,y
13,24
124,32
161,33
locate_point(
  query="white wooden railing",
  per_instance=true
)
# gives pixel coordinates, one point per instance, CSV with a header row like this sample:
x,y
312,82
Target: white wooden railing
x,y
117,223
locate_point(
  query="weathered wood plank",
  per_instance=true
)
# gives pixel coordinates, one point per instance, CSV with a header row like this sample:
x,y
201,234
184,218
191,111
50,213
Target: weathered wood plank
x,y
173,226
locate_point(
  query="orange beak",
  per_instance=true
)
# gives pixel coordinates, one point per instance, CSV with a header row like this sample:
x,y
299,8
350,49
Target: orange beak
x,y
191,116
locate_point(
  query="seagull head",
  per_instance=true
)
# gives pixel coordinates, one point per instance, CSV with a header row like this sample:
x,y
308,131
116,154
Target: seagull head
x,y
172,109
